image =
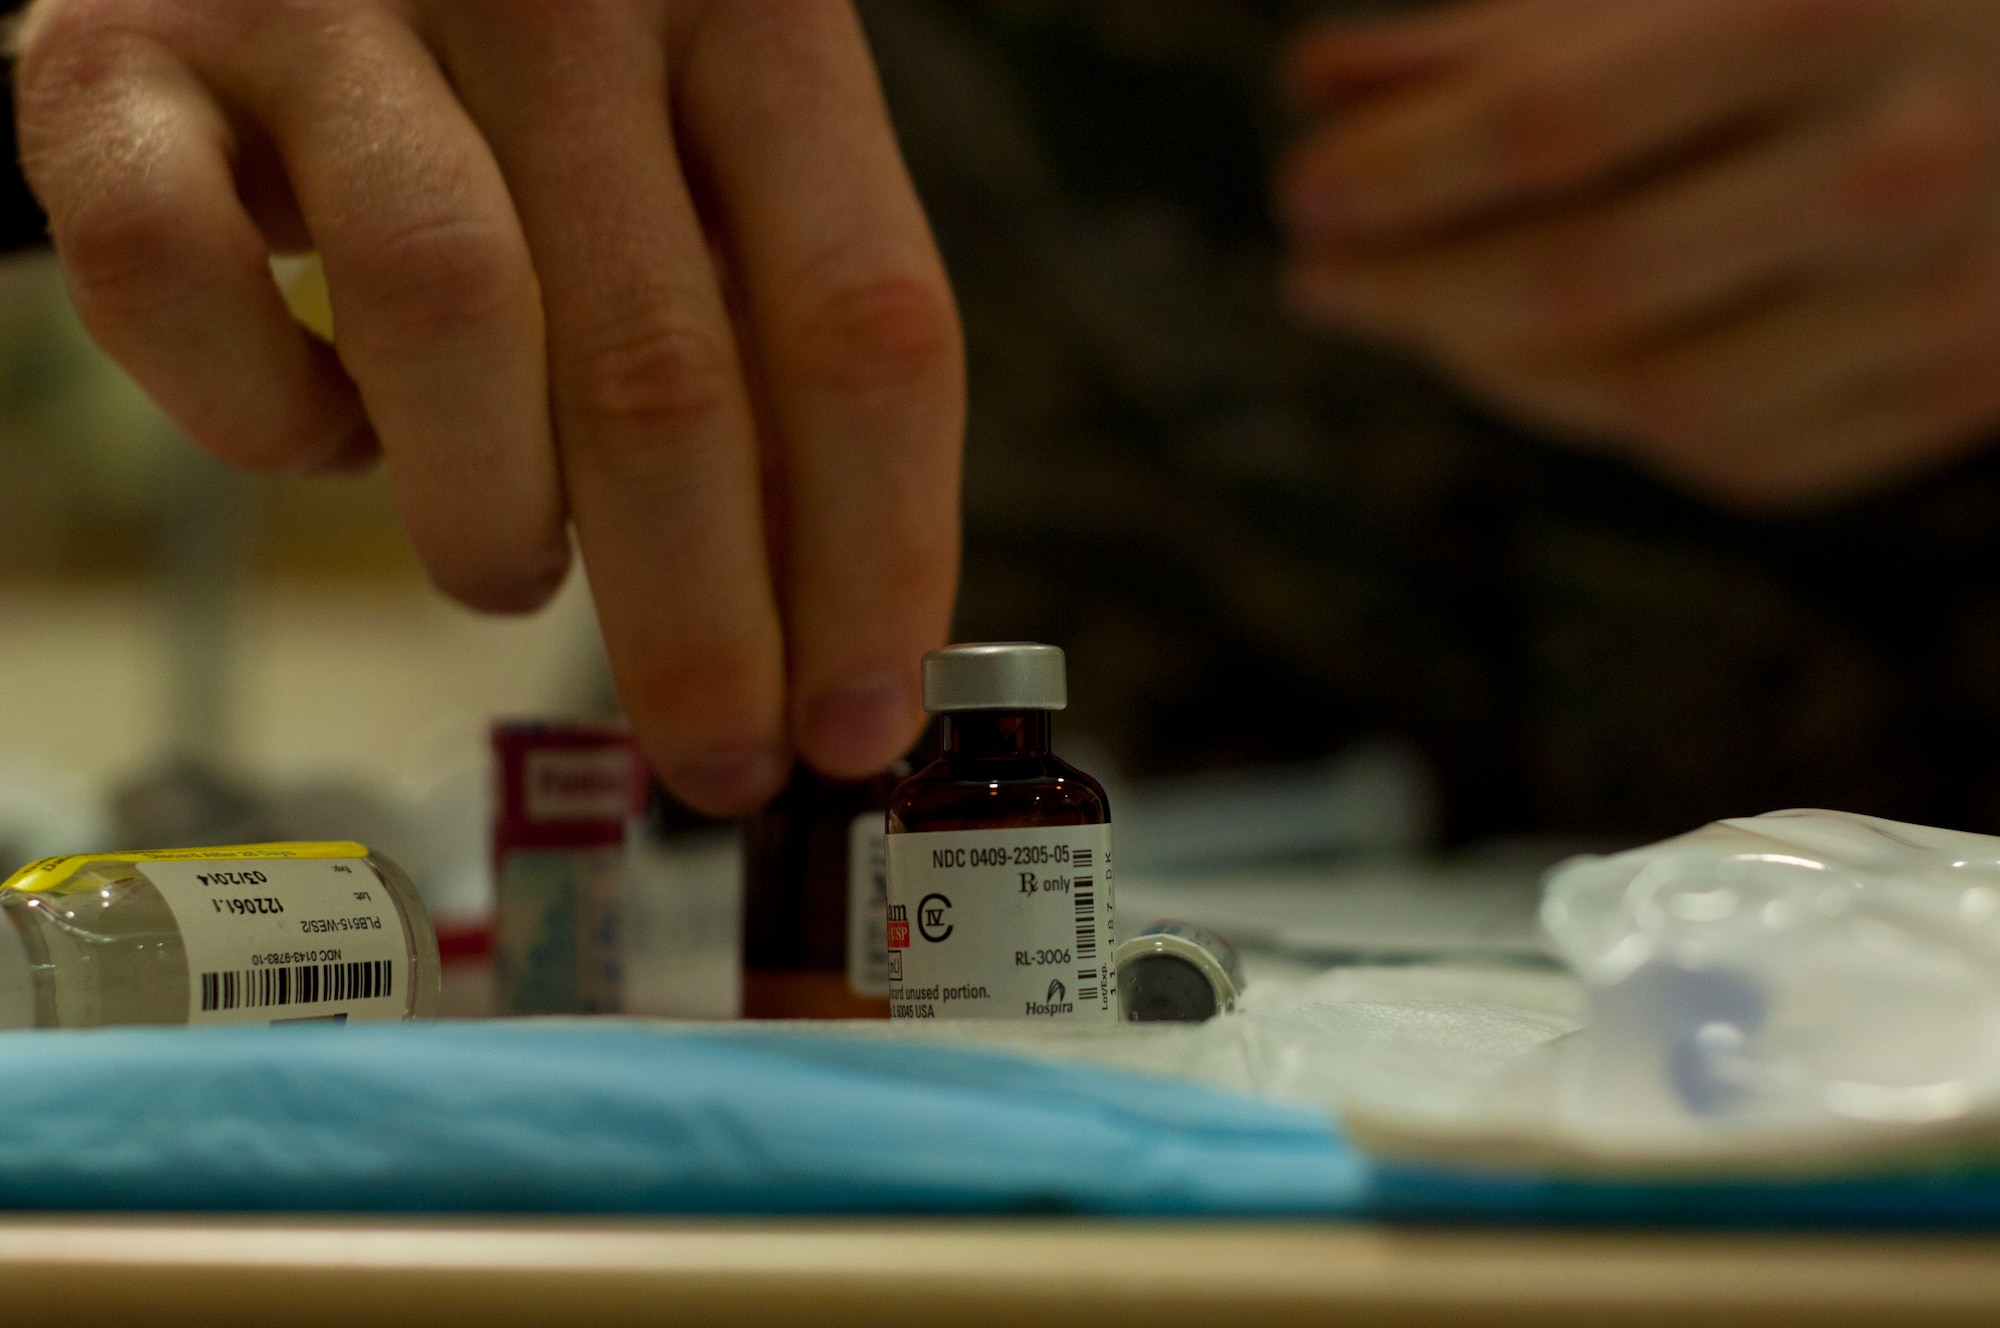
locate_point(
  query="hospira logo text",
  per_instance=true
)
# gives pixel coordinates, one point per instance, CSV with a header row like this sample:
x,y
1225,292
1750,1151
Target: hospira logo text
x,y
1053,1003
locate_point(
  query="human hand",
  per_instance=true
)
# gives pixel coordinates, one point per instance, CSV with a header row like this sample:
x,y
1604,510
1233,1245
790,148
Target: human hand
x,y
650,265
1753,245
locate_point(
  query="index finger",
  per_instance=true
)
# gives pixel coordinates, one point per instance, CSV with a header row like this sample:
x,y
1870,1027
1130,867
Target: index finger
x,y
857,341
658,442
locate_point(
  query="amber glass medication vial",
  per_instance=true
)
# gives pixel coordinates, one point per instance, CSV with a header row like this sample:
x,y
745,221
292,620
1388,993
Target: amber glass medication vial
x,y
815,905
567,795
253,934
999,854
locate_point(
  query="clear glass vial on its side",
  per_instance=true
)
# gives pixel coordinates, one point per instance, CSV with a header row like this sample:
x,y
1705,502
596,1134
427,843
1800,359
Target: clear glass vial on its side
x,y
260,933
999,853
1177,972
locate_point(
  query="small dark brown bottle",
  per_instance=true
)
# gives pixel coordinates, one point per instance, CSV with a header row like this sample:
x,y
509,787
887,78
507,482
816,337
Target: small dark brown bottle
x,y
999,853
813,906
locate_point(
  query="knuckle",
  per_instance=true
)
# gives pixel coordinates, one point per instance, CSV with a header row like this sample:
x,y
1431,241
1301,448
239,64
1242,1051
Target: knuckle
x,y
115,244
71,51
65,41
887,332
657,379
434,279
71,59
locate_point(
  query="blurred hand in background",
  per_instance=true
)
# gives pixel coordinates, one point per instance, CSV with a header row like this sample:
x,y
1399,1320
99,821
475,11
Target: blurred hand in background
x,y
650,268
1752,245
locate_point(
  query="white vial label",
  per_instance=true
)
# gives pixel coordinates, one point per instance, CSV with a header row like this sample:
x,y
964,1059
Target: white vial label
x,y
868,905
578,784
275,939
1002,924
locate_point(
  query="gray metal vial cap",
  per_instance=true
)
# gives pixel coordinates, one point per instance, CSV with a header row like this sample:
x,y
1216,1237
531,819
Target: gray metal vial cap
x,y
995,675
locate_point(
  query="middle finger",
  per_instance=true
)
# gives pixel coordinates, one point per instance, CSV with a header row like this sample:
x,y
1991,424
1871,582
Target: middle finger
x,y
658,441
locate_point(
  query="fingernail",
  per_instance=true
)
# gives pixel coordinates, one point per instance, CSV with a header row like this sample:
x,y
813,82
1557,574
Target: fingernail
x,y
730,782
857,727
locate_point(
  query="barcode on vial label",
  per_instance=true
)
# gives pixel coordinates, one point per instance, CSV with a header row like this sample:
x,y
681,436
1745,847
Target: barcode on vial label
x,y
1085,896
300,984
1080,858
1086,919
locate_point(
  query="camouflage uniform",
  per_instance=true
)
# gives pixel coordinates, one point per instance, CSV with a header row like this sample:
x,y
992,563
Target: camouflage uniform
x,y
1260,541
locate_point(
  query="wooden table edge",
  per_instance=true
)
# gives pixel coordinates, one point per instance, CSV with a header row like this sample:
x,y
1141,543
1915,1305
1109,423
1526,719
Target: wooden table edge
x,y
502,1270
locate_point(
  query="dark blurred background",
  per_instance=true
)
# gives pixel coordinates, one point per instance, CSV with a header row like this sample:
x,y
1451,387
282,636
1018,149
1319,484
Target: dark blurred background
x,y
1261,542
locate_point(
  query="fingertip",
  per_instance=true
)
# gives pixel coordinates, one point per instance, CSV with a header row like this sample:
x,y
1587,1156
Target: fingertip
x,y
729,783
499,567
510,590
856,727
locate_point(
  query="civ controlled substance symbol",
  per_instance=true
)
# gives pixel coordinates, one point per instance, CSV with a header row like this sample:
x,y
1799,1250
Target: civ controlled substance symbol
x,y
931,910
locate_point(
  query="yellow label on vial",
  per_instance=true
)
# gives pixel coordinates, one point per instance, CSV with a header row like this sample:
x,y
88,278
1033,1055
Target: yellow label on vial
x,y
49,875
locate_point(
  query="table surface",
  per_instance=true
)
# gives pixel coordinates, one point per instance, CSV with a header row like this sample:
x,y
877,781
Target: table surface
x,y
304,1271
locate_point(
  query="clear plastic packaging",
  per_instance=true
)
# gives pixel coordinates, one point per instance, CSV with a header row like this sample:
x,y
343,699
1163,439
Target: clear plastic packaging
x,y
1795,976
258,933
